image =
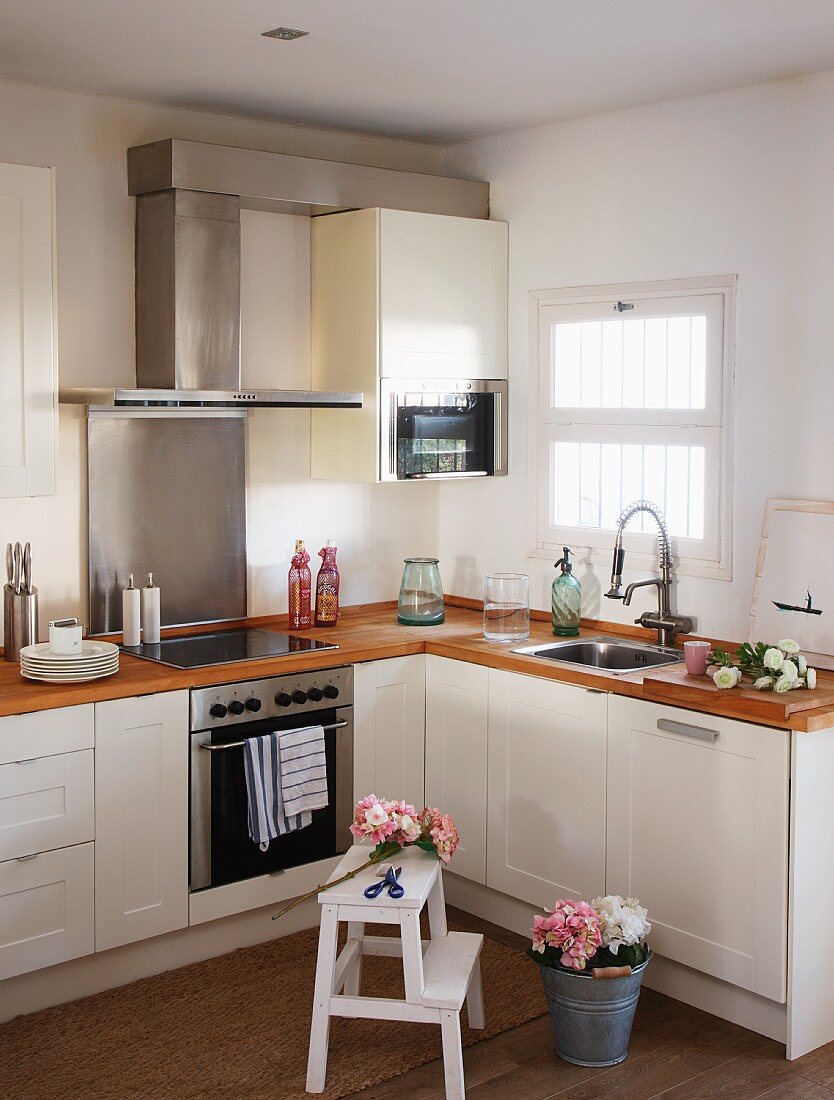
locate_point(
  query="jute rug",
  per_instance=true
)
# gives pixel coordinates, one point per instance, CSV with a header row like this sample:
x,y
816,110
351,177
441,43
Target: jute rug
x,y
237,1027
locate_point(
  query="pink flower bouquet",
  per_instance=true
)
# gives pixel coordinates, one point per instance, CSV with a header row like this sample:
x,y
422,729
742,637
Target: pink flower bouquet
x,y
390,826
574,935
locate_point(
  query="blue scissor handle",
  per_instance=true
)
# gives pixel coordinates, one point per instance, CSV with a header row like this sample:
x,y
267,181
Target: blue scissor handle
x,y
390,880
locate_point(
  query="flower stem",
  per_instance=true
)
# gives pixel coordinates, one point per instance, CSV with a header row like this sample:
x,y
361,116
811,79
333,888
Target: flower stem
x,y
375,858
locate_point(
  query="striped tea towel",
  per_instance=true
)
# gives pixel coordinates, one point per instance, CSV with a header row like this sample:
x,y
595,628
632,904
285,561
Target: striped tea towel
x,y
267,815
303,770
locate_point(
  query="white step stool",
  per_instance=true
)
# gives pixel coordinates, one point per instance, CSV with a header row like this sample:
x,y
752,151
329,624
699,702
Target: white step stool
x,y
440,973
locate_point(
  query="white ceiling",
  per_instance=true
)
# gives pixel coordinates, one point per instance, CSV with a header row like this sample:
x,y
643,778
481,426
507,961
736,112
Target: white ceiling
x,y
435,70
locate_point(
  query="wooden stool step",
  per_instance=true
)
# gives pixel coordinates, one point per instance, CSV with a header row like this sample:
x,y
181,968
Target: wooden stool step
x,y
447,969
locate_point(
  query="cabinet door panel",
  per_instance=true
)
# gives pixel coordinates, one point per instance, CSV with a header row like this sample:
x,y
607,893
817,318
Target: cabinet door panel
x,y
46,803
546,824
28,391
46,909
389,729
698,830
142,750
456,756
443,296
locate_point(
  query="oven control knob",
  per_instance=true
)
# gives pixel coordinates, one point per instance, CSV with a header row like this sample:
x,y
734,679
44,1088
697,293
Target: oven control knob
x,y
316,694
253,704
217,710
331,691
283,699
236,707
299,696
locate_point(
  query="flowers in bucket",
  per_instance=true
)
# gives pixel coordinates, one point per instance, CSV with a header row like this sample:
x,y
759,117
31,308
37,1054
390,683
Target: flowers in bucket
x,y
391,826
779,668
574,935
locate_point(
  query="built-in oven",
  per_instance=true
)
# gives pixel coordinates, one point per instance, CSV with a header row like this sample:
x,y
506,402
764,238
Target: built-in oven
x,y
222,718
442,428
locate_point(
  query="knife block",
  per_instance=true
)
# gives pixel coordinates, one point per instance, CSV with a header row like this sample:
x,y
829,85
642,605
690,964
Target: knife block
x,y
20,621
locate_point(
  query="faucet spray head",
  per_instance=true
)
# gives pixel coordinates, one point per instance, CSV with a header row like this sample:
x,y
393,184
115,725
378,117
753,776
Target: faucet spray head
x,y
615,591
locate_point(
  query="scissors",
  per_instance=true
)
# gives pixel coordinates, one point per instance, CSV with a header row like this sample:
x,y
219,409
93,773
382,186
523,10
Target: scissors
x,y
391,881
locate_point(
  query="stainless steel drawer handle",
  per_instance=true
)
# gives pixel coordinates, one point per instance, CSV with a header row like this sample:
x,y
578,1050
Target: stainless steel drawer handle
x,y
685,730
25,859
239,744
28,760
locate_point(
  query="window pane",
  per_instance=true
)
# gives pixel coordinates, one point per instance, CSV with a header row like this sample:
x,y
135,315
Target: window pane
x,y
656,363
593,482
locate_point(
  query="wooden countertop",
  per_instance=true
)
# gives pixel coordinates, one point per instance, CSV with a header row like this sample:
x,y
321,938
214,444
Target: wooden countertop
x,y
363,634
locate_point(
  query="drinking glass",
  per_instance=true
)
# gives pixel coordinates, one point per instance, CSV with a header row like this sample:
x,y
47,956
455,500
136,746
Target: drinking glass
x,y
506,607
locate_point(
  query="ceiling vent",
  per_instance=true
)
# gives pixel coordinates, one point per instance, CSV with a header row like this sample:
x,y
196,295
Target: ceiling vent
x,y
284,34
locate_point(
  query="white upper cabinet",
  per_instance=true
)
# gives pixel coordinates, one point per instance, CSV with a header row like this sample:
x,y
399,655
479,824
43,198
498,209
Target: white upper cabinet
x,y
443,296
698,830
28,359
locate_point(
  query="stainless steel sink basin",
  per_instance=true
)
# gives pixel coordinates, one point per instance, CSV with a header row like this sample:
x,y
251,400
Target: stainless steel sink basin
x,y
614,655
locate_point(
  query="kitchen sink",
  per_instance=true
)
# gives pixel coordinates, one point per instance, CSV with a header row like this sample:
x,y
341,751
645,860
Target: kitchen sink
x,y
614,655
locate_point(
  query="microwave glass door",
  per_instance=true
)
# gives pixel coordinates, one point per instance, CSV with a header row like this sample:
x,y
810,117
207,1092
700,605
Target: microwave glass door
x,y
445,435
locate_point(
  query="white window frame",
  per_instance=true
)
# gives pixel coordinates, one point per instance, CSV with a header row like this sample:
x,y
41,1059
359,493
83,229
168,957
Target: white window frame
x,y
710,557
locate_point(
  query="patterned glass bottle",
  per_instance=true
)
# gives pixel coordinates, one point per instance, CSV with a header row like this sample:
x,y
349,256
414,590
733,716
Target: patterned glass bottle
x,y
300,582
327,587
566,599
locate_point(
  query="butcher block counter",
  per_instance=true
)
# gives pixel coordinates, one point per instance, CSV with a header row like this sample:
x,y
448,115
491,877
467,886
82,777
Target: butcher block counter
x,y
372,633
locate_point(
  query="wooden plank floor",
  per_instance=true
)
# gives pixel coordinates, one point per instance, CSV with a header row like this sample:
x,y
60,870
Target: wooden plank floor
x,y
676,1052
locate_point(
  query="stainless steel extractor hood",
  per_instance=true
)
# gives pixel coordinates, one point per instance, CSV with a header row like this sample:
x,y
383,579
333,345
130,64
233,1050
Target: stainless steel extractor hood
x,y
188,313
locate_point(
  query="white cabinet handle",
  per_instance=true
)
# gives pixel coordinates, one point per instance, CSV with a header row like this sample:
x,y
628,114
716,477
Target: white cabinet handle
x,y
28,760
23,859
685,730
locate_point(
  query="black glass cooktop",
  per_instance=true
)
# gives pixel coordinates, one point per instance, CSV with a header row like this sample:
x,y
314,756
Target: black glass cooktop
x,y
224,647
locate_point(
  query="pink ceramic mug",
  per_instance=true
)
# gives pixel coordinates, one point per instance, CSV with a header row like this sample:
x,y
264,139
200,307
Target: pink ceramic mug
x,y
695,654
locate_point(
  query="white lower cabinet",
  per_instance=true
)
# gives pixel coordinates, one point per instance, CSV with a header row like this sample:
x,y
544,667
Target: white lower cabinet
x,y
456,756
546,820
46,909
142,747
46,803
698,830
389,727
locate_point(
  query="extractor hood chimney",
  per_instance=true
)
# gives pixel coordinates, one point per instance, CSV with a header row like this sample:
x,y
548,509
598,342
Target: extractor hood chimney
x,y
188,311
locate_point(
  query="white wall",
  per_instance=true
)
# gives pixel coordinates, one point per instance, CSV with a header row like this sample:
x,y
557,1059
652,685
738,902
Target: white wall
x,y
85,138
741,183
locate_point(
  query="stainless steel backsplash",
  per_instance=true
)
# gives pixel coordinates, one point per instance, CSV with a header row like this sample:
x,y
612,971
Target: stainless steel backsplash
x,y
167,495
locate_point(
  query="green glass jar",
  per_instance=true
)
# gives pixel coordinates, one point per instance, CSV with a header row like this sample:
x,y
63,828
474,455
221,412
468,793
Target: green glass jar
x,y
421,594
566,599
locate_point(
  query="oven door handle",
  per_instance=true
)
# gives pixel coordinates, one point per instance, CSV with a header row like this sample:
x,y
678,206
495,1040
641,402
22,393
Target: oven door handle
x,y
239,744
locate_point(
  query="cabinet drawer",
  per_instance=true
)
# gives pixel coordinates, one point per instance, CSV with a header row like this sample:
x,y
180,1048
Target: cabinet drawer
x,y
46,803
46,909
46,733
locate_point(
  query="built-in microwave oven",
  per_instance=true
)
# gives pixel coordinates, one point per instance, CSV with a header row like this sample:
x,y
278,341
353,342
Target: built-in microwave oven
x,y
442,428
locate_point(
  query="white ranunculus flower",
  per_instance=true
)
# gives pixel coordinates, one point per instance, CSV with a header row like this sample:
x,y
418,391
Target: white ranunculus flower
x,y
622,921
788,645
790,670
774,659
763,683
782,685
739,675
811,678
802,665
725,678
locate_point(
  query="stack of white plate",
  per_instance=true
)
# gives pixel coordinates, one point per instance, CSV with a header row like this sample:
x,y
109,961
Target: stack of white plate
x,y
96,659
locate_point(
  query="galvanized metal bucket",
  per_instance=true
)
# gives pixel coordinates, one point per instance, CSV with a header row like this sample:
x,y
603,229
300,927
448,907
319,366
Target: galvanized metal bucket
x,y
591,1018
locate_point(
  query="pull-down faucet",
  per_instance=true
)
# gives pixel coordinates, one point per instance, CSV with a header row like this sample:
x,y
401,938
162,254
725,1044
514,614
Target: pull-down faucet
x,y
663,621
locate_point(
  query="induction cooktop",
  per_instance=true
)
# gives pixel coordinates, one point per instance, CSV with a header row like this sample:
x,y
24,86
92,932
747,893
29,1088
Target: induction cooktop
x,y
224,647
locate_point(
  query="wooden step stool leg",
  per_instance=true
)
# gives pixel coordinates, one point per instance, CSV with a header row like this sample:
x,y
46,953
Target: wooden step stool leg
x,y
356,931
325,973
452,1055
475,998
